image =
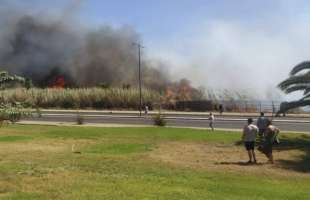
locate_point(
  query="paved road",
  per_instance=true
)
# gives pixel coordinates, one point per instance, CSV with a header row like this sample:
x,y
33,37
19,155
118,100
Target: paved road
x,y
179,120
173,114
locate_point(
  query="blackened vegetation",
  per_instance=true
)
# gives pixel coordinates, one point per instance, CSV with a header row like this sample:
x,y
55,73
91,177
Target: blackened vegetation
x,y
200,106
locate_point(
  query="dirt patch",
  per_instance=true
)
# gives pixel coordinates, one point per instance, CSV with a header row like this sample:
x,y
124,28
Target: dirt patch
x,y
50,146
223,158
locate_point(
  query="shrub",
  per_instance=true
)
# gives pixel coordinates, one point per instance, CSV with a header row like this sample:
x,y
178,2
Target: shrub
x,y
159,120
80,119
13,112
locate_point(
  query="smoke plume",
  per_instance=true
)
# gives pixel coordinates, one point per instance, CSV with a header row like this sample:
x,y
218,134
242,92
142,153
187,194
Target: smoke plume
x,y
225,54
41,47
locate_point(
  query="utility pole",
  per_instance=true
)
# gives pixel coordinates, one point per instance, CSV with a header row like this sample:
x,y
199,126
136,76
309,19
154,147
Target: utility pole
x,y
140,84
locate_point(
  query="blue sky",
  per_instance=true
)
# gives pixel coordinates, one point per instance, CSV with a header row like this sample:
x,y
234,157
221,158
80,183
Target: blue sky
x,y
155,19
246,44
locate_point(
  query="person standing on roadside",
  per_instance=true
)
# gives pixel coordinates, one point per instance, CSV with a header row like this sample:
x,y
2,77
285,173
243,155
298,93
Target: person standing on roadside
x,y
221,109
249,136
262,124
211,121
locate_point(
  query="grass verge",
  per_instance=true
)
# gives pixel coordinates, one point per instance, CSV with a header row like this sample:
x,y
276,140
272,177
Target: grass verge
x,y
37,162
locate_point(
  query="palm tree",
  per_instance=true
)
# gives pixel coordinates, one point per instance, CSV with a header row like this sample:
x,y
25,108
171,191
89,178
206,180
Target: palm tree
x,y
299,80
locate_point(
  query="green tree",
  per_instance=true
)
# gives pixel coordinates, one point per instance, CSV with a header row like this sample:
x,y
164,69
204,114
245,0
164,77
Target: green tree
x,y
298,80
28,83
7,80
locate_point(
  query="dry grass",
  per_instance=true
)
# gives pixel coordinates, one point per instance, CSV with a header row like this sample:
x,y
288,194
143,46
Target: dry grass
x,y
79,98
228,158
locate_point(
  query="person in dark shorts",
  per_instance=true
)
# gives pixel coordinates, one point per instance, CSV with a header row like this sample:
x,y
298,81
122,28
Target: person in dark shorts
x,y
249,136
271,134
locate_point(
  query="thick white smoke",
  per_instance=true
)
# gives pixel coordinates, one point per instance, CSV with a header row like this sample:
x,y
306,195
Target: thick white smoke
x,y
231,55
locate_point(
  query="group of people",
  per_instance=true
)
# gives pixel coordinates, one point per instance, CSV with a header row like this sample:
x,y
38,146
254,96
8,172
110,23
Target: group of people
x,y
263,133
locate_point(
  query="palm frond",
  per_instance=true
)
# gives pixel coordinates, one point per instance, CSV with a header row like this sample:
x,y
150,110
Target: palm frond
x,y
307,90
302,66
306,97
294,88
293,104
295,80
294,83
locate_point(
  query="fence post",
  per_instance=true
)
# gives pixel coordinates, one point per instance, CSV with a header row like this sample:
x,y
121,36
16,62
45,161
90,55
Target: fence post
x,y
273,108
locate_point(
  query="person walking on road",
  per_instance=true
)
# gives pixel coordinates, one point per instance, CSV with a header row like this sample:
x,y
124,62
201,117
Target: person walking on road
x,y
146,110
211,121
249,136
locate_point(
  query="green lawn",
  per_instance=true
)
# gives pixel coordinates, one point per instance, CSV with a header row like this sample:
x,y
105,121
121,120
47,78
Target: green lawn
x,y
49,162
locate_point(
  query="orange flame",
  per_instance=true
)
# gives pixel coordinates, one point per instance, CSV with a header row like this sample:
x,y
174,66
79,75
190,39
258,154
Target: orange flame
x,y
59,82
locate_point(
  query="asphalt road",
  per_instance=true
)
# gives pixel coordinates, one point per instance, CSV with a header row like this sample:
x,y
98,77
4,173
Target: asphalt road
x,y
178,120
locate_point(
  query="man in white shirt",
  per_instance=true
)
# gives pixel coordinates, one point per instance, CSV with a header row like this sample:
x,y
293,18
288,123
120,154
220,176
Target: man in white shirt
x,y
249,136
